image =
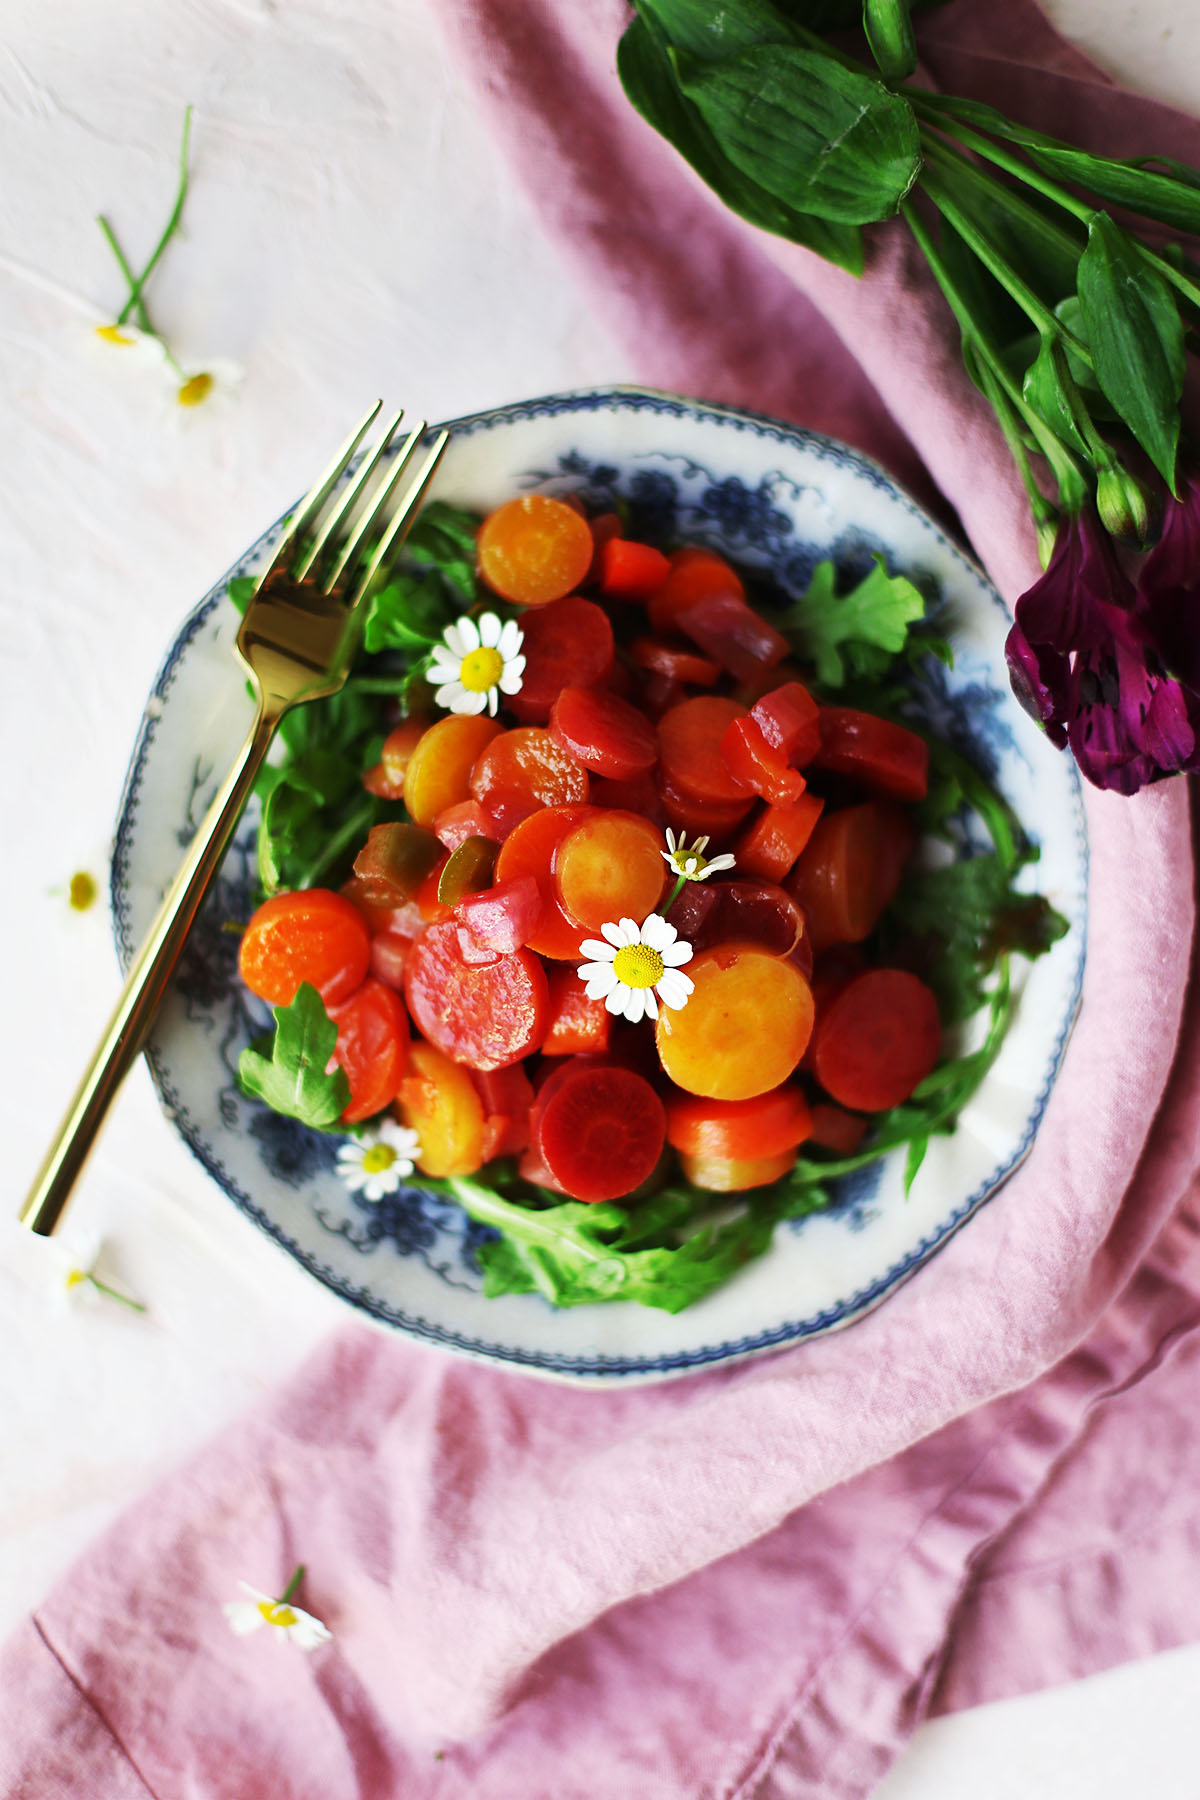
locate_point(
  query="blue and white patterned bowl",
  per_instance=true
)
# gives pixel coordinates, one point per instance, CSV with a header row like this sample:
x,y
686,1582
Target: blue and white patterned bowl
x,y
772,497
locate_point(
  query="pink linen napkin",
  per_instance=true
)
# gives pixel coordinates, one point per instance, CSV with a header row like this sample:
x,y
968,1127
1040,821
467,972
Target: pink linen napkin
x,y
757,1580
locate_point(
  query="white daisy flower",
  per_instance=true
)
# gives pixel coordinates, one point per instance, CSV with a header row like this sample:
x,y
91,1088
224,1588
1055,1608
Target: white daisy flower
x,y
202,391
689,860
245,1616
477,662
76,1282
633,964
375,1164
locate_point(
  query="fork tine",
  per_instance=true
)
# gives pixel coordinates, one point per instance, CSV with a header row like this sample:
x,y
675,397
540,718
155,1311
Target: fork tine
x,y
321,489
374,512
347,500
398,523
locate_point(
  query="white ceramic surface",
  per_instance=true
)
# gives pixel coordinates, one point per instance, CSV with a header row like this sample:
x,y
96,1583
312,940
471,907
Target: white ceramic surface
x,y
772,498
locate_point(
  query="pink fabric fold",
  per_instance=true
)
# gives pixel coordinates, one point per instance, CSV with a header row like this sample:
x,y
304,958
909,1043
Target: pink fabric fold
x,y
755,1581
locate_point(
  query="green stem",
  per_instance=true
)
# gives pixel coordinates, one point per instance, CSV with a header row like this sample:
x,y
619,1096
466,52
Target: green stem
x,y
1003,159
1029,302
1067,475
680,884
293,1584
110,235
1043,511
1029,217
171,227
113,1293
351,831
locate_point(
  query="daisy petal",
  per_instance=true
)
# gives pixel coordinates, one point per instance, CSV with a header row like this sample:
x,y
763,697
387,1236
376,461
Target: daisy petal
x,y
596,951
674,988
468,631
635,1006
614,935
671,844
470,703
657,933
630,932
651,1004
447,695
493,702
456,644
511,679
489,629
511,639
617,998
243,1616
722,862
675,955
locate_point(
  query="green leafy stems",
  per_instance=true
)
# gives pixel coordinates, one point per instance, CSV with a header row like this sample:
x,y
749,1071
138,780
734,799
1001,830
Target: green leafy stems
x,y
1073,326
194,387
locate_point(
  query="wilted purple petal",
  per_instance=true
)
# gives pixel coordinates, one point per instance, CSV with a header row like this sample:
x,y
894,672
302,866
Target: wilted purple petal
x,y
1129,725
1040,682
1175,560
1056,611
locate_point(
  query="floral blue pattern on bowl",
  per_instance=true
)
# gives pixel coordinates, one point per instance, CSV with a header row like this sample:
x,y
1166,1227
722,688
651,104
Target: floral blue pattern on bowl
x,y
775,499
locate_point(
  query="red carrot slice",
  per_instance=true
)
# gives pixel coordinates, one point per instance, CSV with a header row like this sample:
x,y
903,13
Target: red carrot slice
x,y
485,1017
568,643
529,850
676,661
372,1047
501,918
771,843
790,720
878,1040
522,771
603,733
759,765
738,1130
577,1026
599,1129
689,747
629,570
883,756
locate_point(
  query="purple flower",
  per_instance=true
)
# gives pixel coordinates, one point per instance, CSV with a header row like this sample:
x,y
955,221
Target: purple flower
x,y
1169,585
1085,662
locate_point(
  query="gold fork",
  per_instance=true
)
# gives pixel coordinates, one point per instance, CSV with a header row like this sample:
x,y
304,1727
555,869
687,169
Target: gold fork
x,y
297,641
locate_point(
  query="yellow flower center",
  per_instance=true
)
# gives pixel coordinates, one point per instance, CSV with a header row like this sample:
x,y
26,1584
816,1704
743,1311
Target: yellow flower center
x,y
378,1158
481,670
112,334
82,891
195,390
75,1278
275,1612
638,966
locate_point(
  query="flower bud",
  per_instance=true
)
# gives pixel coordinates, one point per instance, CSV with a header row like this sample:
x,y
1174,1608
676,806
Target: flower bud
x,y
890,35
1124,506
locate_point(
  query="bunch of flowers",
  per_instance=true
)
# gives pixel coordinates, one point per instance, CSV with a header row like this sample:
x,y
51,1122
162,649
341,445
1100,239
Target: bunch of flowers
x,y
1073,325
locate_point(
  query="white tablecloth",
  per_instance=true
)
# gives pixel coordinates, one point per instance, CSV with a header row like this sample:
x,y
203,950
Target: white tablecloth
x,y
350,232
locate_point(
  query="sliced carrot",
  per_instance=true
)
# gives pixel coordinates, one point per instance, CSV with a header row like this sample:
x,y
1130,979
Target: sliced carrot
x,y
386,778
718,1175
567,643
484,1016
790,720
850,870
833,1128
629,570
529,850
603,732
715,819
610,866
695,574
676,660
372,1047
689,749
437,1100
578,1026
744,1028
885,757
598,1128
439,770
771,843
520,772
759,765
738,1130
534,549
878,1040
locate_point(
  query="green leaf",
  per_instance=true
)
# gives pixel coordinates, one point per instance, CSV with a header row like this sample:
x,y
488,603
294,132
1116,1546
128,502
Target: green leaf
x,y
648,77
1043,391
444,538
1136,338
410,613
822,137
849,633
241,590
290,1075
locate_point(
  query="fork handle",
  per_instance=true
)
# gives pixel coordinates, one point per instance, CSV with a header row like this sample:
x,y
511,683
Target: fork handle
x,y
131,1022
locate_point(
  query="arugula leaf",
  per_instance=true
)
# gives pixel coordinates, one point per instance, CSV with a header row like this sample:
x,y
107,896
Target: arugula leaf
x,y
857,633
410,613
661,1253
443,537
288,1069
